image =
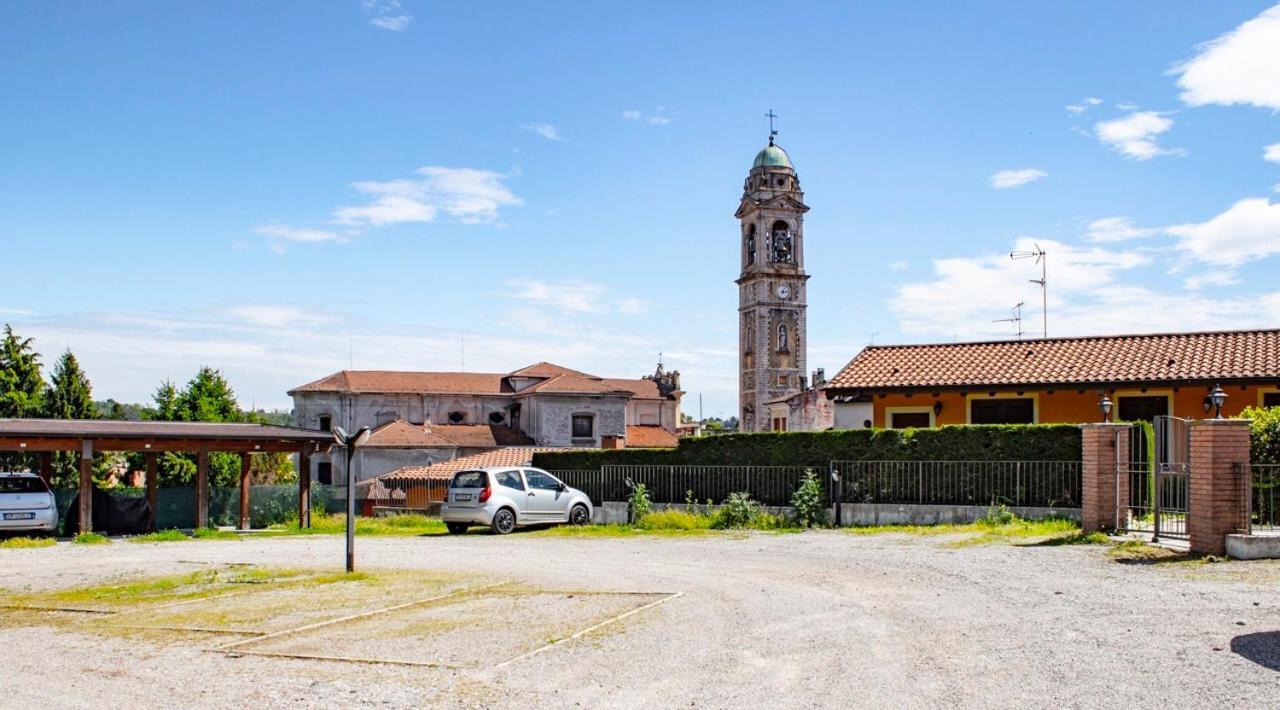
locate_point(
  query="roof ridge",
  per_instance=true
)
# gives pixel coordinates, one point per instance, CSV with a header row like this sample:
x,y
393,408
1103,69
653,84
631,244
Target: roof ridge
x,y
1074,338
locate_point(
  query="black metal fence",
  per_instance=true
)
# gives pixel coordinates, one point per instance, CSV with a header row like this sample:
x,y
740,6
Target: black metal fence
x,y
1016,483
1266,494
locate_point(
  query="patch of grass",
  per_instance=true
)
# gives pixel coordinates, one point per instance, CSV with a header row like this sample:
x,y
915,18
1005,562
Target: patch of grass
x,y
1078,538
160,536
987,530
90,538
391,525
178,587
214,534
674,520
23,543
1142,552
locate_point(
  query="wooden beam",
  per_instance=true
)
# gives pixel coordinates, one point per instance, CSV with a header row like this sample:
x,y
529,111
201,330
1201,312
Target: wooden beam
x,y
46,466
246,460
152,488
37,444
202,488
86,486
304,487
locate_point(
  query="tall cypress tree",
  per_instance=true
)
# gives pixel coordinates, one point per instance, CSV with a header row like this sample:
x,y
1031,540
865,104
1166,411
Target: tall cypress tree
x,y
70,395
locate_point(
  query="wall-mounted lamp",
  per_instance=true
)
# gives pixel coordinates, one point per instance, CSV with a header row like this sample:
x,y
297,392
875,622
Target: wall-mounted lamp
x,y
1105,406
1217,397
937,408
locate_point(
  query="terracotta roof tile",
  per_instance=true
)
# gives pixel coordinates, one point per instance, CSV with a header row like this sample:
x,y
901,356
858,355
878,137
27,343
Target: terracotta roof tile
x,y
573,384
650,437
640,389
402,434
516,456
386,381
1169,357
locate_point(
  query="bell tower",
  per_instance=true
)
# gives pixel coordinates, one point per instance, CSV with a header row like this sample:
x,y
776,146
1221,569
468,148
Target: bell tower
x,y
771,287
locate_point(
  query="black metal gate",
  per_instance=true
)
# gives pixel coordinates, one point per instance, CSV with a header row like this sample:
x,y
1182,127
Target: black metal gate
x,y
1153,483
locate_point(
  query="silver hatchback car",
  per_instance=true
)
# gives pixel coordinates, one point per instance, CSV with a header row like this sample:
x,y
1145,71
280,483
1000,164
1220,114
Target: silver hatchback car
x,y
27,505
510,496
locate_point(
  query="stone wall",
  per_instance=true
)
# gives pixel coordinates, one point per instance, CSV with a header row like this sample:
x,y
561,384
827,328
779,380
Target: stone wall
x,y
553,419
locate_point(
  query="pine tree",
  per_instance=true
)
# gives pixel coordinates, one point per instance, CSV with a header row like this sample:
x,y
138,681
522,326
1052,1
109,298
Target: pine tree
x,y
70,396
166,403
208,398
21,384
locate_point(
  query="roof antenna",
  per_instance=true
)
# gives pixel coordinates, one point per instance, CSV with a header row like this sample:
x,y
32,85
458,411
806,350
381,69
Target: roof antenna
x,y
1042,258
771,115
1016,319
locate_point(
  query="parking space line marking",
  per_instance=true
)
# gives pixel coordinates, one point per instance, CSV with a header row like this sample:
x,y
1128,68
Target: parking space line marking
x,y
352,617
349,659
589,629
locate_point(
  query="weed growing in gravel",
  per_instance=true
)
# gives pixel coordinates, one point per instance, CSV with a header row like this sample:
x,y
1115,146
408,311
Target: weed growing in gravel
x,y
21,543
807,501
674,520
336,524
639,505
160,536
983,531
214,534
89,538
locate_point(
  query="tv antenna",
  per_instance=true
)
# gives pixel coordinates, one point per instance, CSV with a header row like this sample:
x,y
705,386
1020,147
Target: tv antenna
x,y
1042,258
1016,320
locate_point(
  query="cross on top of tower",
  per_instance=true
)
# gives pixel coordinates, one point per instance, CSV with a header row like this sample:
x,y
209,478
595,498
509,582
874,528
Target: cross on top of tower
x,y
772,132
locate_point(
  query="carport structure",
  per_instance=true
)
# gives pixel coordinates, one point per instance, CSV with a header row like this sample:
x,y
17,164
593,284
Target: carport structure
x,y
87,436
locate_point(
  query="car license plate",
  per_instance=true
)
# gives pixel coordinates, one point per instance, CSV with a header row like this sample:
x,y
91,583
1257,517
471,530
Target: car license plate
x,y
461,496
19,516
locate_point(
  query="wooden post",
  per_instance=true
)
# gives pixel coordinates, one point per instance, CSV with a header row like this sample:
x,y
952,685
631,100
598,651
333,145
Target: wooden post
x,y
46,466
152,488
246,459
304,487
86,486
202,488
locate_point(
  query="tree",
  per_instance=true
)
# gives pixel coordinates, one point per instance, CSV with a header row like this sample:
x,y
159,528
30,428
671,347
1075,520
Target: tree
x,y
208,397
21,384
166,403
70,396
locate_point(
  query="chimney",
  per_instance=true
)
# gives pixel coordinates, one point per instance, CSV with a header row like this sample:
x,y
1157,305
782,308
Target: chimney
x,y
611,441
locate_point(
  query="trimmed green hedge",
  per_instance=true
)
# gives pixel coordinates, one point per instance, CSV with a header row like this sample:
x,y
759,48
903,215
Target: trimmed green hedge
x,y
1014,442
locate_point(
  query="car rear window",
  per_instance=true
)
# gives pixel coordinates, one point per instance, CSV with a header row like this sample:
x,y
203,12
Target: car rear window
x,y
22,484
468,479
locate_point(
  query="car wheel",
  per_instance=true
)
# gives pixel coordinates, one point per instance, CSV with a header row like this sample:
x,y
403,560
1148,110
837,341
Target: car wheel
x,y
504,521
456,528
579,515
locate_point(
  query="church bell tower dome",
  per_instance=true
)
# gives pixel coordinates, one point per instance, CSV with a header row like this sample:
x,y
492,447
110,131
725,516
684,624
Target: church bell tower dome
x,y
772,156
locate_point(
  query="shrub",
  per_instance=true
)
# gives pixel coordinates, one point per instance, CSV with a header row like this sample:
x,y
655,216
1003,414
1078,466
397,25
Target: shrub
x,y
639,504
997,516
738,511
1005,442
673,520
1264,434
810,508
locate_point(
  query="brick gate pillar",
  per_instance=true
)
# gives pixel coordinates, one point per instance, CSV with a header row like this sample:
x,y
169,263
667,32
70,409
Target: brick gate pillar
x,y
1106,449
1220,495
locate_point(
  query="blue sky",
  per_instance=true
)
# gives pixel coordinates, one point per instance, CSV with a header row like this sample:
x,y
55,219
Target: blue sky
x,y
281,189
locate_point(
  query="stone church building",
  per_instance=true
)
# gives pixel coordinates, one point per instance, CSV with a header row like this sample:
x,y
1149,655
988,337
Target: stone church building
x,y
422,418
774,392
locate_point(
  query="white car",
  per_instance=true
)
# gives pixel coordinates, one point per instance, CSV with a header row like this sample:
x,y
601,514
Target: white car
x,y
504,498
27,505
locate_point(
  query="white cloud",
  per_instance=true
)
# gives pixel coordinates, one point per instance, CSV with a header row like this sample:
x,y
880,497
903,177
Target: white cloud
x,y
1084,105
1115,229
574,296
899,266
276,316
1127,106
633,306
387,15
966,294
1212,278
1135,135
1247,230
654,119
466,194
1090,292
546,130
280,235
1005,179
1240,67
1271,153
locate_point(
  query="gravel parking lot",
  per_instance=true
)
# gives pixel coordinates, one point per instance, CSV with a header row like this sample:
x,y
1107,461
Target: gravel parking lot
x,y
815,619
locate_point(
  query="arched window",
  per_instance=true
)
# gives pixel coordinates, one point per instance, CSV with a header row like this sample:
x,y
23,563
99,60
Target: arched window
x,y
751,244
781,251
784,338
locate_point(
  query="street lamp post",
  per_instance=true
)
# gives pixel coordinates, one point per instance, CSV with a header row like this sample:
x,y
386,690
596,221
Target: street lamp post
x,y
350,443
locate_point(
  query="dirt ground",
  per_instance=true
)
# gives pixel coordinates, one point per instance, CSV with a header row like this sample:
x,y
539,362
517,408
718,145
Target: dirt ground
x,y
822,619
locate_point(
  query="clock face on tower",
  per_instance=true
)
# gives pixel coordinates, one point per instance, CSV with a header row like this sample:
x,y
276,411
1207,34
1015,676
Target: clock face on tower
x,y
783,291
